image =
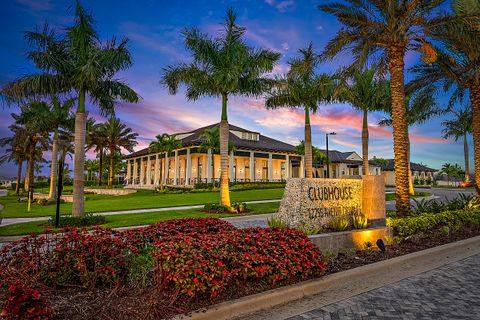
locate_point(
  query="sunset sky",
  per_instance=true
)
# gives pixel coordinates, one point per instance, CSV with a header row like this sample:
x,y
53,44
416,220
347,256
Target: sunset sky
x,y
154,27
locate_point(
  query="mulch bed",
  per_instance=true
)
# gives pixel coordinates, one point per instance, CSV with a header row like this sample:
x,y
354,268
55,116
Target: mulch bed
x,y
137,303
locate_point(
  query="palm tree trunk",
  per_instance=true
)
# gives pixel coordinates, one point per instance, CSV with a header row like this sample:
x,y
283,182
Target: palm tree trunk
x,y
224,133
79,160
399,123
411,190
53,170
365,136
475,102
27,174
110,177
465,154
19,177
308,144
100,168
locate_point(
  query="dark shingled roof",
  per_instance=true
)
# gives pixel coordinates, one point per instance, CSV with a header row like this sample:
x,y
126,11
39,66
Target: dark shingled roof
x,y
413,166
263,144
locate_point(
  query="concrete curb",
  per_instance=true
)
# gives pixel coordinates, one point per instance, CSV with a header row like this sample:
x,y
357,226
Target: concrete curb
x,y
331,283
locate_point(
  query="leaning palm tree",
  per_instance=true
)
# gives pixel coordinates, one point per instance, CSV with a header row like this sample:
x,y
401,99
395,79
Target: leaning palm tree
x,y
386,31
302,88
459,127
222,67
366,92
118,136
421,107
165,143
77,62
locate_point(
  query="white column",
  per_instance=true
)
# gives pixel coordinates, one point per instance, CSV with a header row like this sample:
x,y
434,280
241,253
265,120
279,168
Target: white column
x,y
209,165
175,170
165,168
270,167
232,166
157,169
302,167
188,169
135,170
287,167
128,171
142,171
149,171
360,170
252,166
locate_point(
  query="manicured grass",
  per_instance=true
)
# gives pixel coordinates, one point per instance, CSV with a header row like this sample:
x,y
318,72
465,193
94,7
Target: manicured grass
x,y
143,199
137,219
391,196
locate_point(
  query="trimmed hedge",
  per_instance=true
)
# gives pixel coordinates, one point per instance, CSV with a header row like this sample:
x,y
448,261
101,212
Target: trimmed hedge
x,y
426,222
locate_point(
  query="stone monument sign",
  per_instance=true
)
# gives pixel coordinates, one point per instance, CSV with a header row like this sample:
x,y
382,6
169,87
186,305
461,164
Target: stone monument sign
x,y
314,202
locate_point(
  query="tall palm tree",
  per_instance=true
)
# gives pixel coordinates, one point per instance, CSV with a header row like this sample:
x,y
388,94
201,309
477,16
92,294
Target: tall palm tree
x,y
302,88
58,117
457,68
222,67
211,141
118,136
420,107
386,30
96,140
165,143
317,155
459,127
77,62
15,151
366,92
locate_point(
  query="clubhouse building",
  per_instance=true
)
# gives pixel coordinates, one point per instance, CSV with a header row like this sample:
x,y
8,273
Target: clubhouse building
x,y
254,157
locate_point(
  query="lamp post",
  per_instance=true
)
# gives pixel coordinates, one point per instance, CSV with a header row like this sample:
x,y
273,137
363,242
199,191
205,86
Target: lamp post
x,y
328,158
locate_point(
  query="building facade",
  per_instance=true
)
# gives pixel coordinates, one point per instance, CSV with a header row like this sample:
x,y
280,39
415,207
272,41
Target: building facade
x,y
418,172
254,157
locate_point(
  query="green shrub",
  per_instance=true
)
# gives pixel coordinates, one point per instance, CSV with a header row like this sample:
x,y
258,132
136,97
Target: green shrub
x,y
359,221
82,221
416,181
428,181
309,229
338,223
427,222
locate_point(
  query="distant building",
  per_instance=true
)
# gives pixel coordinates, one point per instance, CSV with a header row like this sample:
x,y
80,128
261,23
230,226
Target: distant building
x,y
418,171
255,158
6,182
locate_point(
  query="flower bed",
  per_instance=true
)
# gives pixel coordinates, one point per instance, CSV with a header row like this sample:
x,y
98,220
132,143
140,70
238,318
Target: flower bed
x,y
185,262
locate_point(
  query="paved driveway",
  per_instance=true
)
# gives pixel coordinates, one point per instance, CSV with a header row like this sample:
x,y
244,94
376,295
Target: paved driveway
x,y
448,292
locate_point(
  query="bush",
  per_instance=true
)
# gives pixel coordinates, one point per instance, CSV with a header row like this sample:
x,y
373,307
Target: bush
x,y
273,223
236,207
24,303
359,221
462,202
427,222
82,221
208,263
338,223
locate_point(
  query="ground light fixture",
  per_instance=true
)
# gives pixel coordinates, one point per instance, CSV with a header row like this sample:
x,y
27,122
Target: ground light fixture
x,y
326,151
381,245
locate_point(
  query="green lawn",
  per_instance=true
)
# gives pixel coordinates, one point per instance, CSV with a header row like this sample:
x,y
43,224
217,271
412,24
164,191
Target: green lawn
x,y
391,196
124,220
143,199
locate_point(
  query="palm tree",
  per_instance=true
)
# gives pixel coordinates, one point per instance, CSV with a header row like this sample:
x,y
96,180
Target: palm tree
x,y
77,62
302,88
222,67
118,136
96,140
211,141
58,117
420,107
318,157
451,170
366,92
457,68
460,126
385,31
15,152
165,143
90,167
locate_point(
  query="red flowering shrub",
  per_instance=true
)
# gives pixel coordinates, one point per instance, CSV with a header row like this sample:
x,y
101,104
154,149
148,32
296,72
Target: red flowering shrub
x,y
24,303
208,263
143,237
